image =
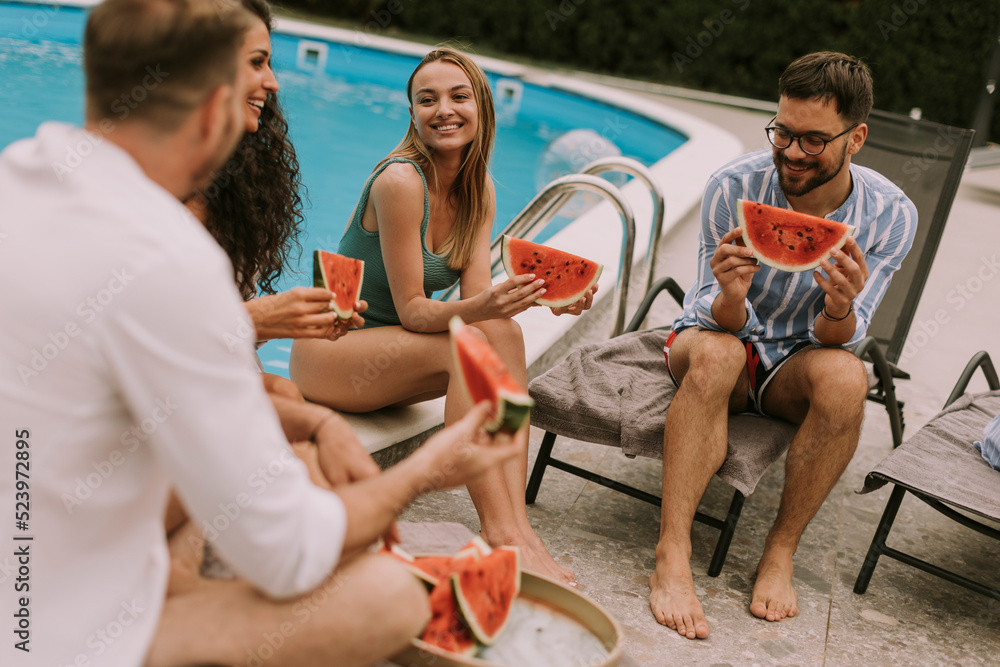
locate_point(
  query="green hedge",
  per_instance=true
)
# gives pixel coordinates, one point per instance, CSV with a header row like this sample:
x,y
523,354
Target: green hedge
x,y
923,53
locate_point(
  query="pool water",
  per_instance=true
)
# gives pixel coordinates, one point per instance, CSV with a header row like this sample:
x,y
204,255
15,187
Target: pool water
x,y
344,114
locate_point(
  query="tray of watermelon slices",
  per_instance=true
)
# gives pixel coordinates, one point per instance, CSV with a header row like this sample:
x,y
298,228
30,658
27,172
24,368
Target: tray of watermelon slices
x,y
486,612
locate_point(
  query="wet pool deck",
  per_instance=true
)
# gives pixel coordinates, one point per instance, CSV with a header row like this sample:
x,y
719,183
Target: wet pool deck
x,y
907,617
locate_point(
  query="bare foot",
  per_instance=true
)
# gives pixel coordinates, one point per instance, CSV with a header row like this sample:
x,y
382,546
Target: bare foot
x,y
540,561
673,600
536,558
774,596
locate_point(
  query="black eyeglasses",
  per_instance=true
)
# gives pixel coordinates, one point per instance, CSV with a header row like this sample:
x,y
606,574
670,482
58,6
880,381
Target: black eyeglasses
x,y
811,144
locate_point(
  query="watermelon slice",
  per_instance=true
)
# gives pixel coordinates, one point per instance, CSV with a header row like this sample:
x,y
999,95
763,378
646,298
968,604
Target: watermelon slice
x,y
342,276
480,545
485,378
485,590
567,277
788,240
433,569
446,630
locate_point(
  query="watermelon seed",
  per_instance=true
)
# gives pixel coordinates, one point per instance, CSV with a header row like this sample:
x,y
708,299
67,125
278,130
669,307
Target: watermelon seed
x,y
809,229
780,232
773,227
799,233
791,247
809,238
559,277
548,273
535,253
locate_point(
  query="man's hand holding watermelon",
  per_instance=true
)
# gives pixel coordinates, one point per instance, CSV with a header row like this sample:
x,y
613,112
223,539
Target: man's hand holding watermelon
x,y
842,283
733,266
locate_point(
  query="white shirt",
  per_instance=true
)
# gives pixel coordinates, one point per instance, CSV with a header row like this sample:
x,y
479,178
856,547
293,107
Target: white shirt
x,y
126,367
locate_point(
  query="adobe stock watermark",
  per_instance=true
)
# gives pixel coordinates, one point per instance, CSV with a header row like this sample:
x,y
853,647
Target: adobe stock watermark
x,y
565,10
37,21
380,21
259,481
303,610
104,637
901,13
123,107
958,297
140,432
87,310
943,144
696,44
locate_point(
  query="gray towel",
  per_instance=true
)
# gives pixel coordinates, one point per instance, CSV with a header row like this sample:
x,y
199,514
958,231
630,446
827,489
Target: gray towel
x,y
940,461
617,393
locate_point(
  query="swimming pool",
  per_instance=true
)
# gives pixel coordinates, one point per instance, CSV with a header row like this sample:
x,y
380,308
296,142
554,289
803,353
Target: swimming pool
x,y
346,107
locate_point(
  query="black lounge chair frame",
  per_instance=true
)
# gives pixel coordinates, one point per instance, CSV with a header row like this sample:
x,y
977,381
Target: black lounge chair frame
x,y
878,548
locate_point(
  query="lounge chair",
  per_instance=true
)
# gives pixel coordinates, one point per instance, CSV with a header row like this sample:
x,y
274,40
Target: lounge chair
x,y
940,466
616,392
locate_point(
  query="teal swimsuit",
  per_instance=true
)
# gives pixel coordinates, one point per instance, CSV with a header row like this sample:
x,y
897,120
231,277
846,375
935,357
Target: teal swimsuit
x,y
364,245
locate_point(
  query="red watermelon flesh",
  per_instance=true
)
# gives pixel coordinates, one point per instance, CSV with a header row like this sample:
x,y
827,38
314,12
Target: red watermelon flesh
x,y
485,590
486,378
446,629
567,276
788,240
342,276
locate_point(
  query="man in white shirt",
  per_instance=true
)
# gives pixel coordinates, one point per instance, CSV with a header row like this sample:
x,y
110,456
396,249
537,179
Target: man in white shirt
x,y
117,384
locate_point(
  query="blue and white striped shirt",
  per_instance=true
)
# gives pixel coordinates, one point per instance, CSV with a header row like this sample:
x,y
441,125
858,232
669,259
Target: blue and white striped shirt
x,y
990,446
781,306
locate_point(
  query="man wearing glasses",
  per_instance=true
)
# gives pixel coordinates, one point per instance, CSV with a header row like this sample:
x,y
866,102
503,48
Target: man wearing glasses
x,y
778,343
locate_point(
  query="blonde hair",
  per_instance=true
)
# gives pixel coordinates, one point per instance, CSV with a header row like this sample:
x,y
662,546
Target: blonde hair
x,y
157,60
470,191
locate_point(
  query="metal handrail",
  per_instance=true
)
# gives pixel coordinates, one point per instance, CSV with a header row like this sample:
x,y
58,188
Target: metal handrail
x,y
543,206
635,168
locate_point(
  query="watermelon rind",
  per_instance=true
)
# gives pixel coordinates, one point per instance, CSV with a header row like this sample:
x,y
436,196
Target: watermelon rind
x,y
480,545
512,410
851,230
508,266
319,280
467,600
446,631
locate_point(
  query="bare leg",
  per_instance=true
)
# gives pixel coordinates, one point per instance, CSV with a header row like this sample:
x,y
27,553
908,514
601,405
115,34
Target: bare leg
x,y
374,368
340,623
824,389
711,369
499,495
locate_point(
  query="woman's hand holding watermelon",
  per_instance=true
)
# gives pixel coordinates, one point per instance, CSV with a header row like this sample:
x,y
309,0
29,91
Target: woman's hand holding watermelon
x,y
509,298
576,308
297,313
301,312
341,327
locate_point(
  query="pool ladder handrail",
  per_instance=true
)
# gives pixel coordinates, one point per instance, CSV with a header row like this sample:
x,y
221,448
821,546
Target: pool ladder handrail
x,y
543,206
638,170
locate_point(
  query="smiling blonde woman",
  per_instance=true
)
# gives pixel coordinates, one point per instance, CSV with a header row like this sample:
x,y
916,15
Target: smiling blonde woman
x,y
422,224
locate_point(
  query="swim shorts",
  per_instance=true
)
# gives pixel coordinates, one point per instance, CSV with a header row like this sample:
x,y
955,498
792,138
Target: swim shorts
x,y
759,376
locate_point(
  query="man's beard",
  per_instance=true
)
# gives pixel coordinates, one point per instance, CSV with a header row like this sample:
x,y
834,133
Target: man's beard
x,y
799,187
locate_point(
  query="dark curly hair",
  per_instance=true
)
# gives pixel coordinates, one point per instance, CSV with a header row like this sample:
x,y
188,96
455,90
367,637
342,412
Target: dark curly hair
x,y
253,205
